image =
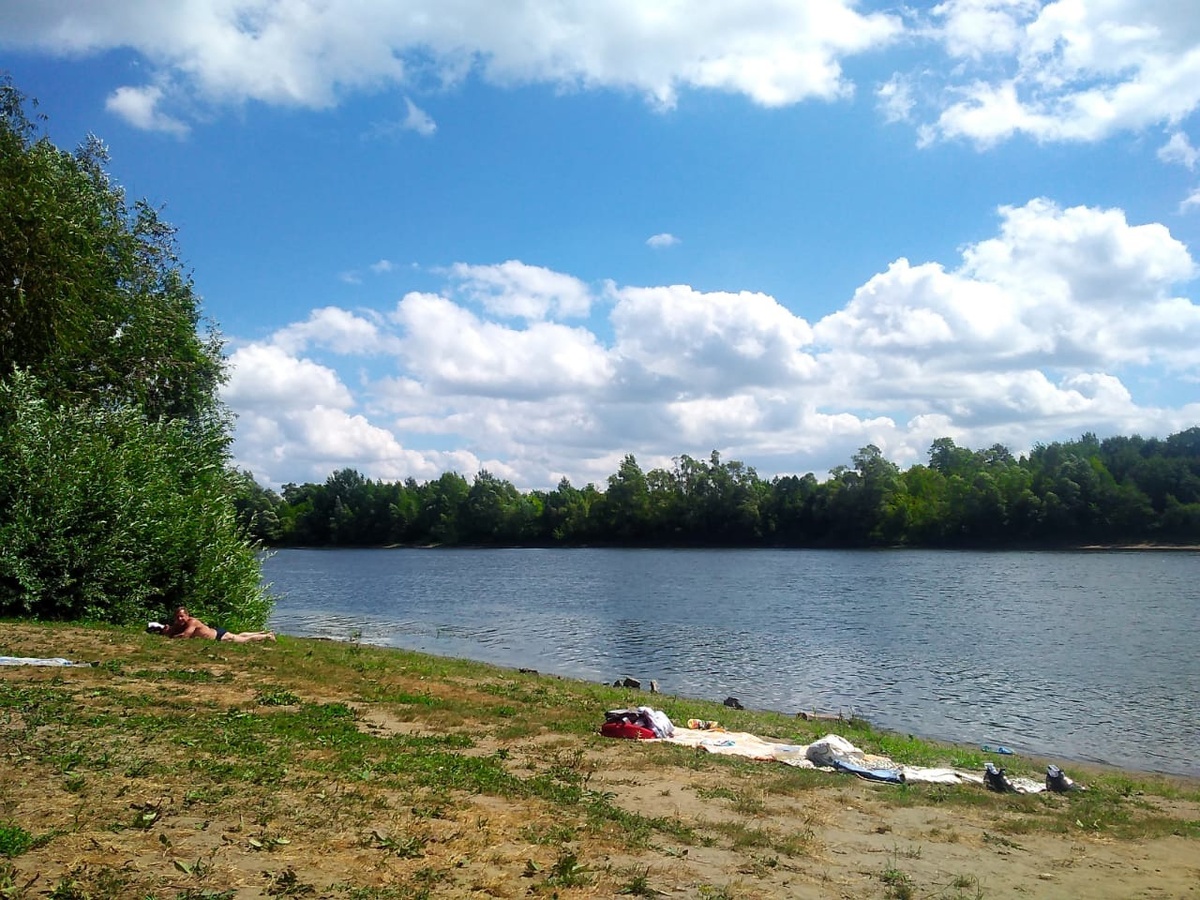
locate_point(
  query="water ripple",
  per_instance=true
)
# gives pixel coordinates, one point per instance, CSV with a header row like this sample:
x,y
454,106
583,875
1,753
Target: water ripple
x,y
1077,655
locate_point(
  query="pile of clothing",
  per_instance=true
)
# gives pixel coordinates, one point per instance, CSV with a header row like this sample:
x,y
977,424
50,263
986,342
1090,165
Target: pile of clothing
x,y
640,723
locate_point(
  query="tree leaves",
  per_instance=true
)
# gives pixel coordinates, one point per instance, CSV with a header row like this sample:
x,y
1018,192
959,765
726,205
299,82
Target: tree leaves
x,y
115,501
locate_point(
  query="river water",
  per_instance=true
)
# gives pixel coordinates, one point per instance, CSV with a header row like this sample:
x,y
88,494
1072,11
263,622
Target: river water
x,y
1073,655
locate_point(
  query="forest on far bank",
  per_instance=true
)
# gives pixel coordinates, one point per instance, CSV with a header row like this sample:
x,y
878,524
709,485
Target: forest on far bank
x,y
1120,490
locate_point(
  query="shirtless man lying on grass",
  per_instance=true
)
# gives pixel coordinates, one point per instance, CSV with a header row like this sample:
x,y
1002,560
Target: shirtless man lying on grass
x,y
185,625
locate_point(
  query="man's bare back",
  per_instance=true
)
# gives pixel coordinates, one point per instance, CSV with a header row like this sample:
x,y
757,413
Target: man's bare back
x,y
185,625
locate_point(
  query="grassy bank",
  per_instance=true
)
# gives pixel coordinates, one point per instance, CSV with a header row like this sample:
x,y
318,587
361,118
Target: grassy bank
x,y
307,768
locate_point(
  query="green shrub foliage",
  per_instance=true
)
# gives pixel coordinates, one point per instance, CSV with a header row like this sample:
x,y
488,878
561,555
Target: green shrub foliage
x,y
116,502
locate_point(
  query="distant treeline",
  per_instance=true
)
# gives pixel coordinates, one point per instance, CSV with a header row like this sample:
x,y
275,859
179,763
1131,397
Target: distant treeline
x,y
1120,490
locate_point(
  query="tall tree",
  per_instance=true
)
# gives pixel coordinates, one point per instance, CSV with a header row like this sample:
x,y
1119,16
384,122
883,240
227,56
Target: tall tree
x,y
93,300
626,507
115,497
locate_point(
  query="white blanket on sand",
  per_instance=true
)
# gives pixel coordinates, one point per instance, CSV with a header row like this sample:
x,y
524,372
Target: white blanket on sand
x,y
35,661
821,754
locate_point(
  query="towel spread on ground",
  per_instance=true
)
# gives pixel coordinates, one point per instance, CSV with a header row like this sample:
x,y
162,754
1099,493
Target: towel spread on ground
x,y
34,661
831,752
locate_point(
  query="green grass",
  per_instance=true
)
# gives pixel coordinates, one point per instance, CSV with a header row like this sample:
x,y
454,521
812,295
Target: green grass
x,y
393,748
14,840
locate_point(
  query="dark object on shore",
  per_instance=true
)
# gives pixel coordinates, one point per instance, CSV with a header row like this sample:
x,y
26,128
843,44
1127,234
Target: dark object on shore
x,y
734,703
628,683
1057,781
528,671
653,686
996,780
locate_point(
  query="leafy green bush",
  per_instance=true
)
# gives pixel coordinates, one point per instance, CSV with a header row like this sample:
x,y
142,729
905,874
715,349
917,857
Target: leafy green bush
x,y
110,517
116,503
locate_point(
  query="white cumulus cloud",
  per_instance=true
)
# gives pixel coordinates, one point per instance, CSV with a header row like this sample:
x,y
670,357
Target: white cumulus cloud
x,y
516,290
306,53
416,119
335,329
1078,291
139,107
457,352
1063,71
679,340
1049,328
266,377
1179,150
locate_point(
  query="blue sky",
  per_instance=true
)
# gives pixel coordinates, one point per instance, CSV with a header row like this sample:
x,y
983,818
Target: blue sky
x,y
534,237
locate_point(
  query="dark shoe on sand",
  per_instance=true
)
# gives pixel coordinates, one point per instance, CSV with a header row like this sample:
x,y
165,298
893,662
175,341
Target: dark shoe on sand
x,y
1057,781
996,780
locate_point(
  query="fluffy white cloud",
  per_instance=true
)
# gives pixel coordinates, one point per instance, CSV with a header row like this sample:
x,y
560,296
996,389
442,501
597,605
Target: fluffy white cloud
x,y
416,119
1073,285
335,329
975,29
457,352
266,377
895,100
515,290
688,342
658,241
1079,292
295,422
1179,150
139,107
307,53
1065,70
309,444
1043,331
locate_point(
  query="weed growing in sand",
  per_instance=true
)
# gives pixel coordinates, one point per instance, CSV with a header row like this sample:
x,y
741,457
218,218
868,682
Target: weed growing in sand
x,y
391,892
759,866
410,846
277,697
288,884
11,887
1001,841
567,871
899,884
554,833
715,793
962,887
638,884
748,837
68,889
14,840
750,802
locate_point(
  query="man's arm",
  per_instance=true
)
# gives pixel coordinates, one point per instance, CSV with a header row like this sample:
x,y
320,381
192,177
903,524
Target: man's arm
x,y
186,631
